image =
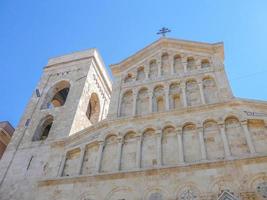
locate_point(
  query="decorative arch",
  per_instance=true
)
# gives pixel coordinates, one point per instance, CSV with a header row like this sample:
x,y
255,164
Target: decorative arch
x,y
108,163
210,90
192,93
236,137
157,193
165,64
129,78
153,69
70,166
169,146
188,192
158,99
174,96
258,132
93,108
205,63
129,156
121,193
213,140
149,149
142,103
43,129
56,95
178,65
191,139
127,104
191,64
140,74
90,158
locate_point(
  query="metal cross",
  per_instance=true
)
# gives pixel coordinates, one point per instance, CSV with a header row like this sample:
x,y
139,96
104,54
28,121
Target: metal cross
x,y
163,31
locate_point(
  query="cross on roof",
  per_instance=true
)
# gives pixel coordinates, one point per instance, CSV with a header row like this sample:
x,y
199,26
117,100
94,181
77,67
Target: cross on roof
x,y
163,31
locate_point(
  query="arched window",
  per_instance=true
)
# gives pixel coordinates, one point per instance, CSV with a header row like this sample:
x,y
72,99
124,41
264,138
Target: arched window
x,y
210,90
57,95
192,93
178,66
213,140
236,137
128,78
169,146
140,74
205,63
110,150
43,129
142,104
174,97
191,65
128,157
165,65
149,149
93,109
158,99
153,69
127,104
191,139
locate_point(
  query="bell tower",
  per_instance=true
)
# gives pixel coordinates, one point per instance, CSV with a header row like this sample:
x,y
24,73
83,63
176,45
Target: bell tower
x,y
73,93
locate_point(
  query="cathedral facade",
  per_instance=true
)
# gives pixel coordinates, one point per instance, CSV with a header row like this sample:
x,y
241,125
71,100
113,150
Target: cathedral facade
x,y
167,128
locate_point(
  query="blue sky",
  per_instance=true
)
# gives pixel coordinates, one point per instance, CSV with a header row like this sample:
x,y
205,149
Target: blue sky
x,y
33,31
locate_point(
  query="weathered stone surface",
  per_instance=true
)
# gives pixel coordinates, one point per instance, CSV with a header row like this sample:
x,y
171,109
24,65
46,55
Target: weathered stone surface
x,y
170,130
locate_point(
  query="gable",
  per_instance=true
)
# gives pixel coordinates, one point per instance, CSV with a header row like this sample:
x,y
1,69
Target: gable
x,y
166,45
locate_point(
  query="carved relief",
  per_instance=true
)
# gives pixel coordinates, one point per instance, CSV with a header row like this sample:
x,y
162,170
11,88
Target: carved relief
x,y
142,102
149,149
153,69
109,161
262,189
178,66
128,160
174,97
169,146
90,159
191,139
236,138
259,134
158,99
165,64
127,104
210,90
213,140
192,93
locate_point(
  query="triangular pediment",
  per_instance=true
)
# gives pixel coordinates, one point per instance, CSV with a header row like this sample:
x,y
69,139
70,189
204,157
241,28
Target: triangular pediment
x,y
166,44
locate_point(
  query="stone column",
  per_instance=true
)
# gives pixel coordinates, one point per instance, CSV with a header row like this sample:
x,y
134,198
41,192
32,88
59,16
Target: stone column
x,y
184,63
171,57
81,158
99,156
159,66
119,153
201,92
119,104
150,101
167,101
179,133
184,94
226,146
139,139
134,101
61,169
202,144
248,136
147,70
159,147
